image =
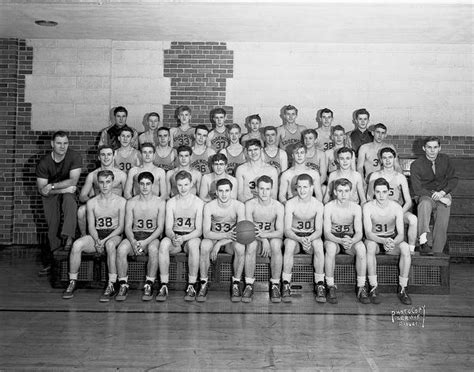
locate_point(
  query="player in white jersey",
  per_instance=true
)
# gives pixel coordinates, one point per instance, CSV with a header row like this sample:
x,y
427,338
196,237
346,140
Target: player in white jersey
x,y
273,155
218,138
315,158
254,129
183,134
383,224
201,155
268,216
339,139
183,163
165,155
219,219
207,192
151,125
324,140
235,152
126,157
144,221
289,133
105,217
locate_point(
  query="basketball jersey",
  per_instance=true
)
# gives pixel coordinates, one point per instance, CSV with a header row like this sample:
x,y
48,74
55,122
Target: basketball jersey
x,y
184,217
126,163
144,219
223,219
383,221
342,229
265,216
201,162
302,227
219,141
167,162
395,191
313,162
324,142
146,137
183,137
106,217
371,161
234,161
274,161
332,164
287,143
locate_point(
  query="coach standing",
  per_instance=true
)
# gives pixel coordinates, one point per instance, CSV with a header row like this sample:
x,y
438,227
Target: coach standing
x,y
57,174
433,180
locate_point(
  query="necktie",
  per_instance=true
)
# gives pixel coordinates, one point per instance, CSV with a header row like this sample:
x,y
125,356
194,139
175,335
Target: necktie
x,y
433,166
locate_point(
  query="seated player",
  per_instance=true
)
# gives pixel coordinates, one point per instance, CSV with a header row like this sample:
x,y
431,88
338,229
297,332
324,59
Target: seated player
x,y
159,175
398,192
315,158
218,138
91,185
383,224
144,221
324,140
268,215
151,126
165,155
344,159
183,134
343,228
219,219
273,155
105,217
303,230
248,172
289,133
126,157
184,163
339,139
207,192
254,127
235,152
288,178
183,228
201,152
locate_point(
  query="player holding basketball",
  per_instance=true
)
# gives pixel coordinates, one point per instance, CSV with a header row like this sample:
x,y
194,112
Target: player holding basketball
x,y
105,217
303,230
248,172
383,224
343,229
144,221
184,164
218,138
183,229
201,152
268,215
219,219
207,192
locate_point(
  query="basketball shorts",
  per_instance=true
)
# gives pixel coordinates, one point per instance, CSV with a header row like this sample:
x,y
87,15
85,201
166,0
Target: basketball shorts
x,y
103,233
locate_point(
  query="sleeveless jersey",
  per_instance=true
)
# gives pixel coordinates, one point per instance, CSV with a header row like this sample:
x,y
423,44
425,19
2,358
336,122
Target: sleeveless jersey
x,y
274,161
302,227
167,162
395,191
287,143
184,218
144,220
332,164
342,229
312,162
220,140
201,162
383,222
372,163
106,217
324,142
183,137
265,216
127,163
223,219
234,161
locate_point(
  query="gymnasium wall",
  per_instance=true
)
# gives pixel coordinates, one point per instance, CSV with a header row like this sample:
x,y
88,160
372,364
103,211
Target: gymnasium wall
x,y
72,84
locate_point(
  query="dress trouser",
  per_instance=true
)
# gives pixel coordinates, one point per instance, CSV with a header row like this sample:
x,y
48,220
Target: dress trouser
x,y
52,210
441,212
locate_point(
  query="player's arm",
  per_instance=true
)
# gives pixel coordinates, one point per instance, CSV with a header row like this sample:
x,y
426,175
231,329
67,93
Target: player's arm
x,y
197,232
87,190
91,220
127,192
361,159
367,221
318,222
103,138
289,233
280,135
170,207
239,175
360,189
169,174
370,185
283,160
318,193
328,155
134,141
323,168
210,136
405,192
235,187
204,189
129,222
162,182
283,189
327,195
172,133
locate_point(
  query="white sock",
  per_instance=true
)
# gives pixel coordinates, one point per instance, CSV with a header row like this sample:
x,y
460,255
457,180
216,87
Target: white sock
x,y
73,276
286,277
423,238
192,279
403,281
361,281
373,280
123,279
249,280
275,281
150,279
164,278
330,281
112,278
235,279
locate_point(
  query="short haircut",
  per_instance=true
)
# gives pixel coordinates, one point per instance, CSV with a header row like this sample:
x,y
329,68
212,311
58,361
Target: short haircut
x,y
326,111
103,147
268,128
297,146
362,111
345,149
219,157
182,175
166,129
432,139
305,177
265,179
253,142
59,133
120,109
148,175
201,126
183,108
289,108
224,181
387,149
126,128
254,116
218,110
309,131
381,182
337,127
149,145
105,174
153,114
342,182
380,125
184,148
235,126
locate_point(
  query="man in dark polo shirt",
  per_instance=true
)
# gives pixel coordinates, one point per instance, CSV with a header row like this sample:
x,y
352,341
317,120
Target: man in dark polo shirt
x,y
57,174
361,135
109,136
433,180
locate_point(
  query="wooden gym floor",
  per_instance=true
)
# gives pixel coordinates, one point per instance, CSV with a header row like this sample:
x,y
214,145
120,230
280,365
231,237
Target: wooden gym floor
x,y
41,331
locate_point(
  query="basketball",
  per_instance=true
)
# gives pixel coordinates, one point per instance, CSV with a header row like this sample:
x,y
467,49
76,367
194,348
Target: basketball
x,y
245,232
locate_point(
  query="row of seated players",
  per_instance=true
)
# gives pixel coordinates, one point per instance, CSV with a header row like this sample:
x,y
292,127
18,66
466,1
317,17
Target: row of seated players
x,y
185,218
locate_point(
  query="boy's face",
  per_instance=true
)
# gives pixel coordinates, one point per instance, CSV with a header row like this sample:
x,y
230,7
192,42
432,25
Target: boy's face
x,y
219,119
60,145
184,117
145,186
184,158
183,186
381,193
106,157
290,116
219,167
309,140
234,135
163,138
387,160
299,155
362,121
271,137
304,189
338,137
326,119
345,159
342,193
379,135
201,136
432,149
147,154
254,125
264,190
120,118
254,152
153,122
223,193
105,184
125,138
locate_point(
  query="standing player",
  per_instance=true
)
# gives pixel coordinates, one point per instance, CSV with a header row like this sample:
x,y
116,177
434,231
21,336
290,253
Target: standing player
x,y
201,152
110,136
105,217
339,139
183,229
151,126
126,157
254,127
159,186
144,221
398,192
218,138
315,158
303,230
383,224
165,155
207,191
324,141
268,216
345,159
288,178
273,155
183,134
219,219
343,228
91,185
290,133
184,163
235,153
57,174
248,172
357,137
